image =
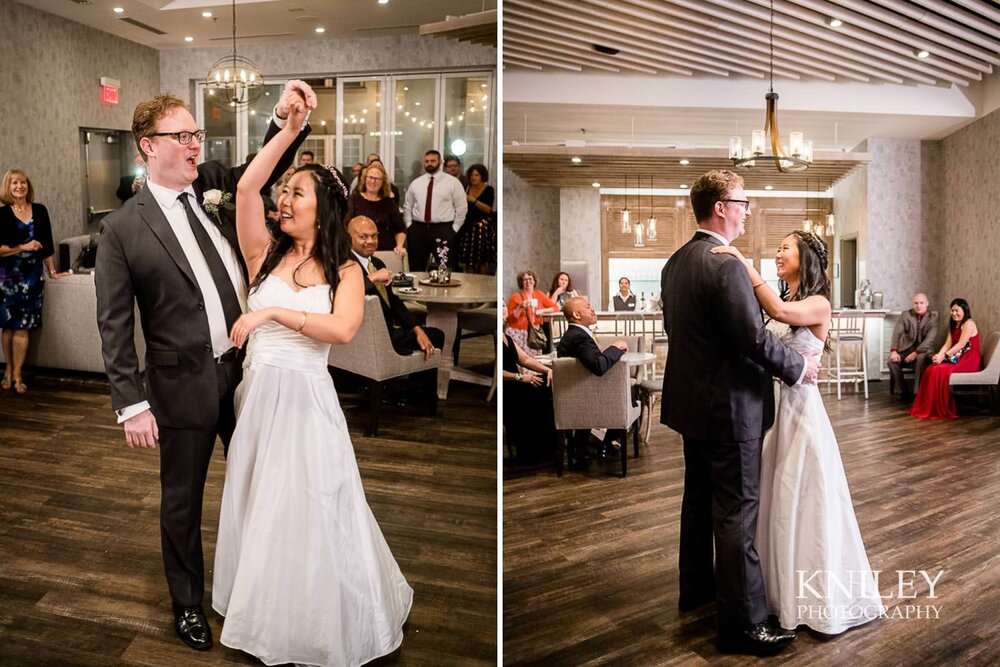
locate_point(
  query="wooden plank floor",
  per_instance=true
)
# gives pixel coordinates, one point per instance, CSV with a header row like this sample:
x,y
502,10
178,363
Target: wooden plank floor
x,y
81,579
590,560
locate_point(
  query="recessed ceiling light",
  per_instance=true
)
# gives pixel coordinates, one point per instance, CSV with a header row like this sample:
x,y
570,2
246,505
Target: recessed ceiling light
x,y
323,123
576,160
922,54
596,184
189,38
834,23
683,186
685,161
207,15
321,30
768,187
383,2
118,10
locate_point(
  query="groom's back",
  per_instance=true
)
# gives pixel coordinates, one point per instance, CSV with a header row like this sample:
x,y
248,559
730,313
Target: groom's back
x,y
711,391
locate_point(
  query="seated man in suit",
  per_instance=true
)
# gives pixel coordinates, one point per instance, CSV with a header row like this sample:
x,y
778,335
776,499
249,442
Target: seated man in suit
x,y
578,342
407,336
913,340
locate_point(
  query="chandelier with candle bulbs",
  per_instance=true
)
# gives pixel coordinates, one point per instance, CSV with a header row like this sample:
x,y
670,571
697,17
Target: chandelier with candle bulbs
x,y
799,155
235,80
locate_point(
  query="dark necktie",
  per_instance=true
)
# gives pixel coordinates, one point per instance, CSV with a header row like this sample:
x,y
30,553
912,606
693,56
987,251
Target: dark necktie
x,y
427,204
223,283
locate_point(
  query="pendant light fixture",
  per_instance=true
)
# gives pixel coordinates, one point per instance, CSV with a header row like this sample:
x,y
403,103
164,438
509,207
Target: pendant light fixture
x,y
651,221
626,214
235,80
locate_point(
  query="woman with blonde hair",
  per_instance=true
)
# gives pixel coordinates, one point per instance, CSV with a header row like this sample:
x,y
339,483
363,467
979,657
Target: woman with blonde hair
x,y
26,251
374,199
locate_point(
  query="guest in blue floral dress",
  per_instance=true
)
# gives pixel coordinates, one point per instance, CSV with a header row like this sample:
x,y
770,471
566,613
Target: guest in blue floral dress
x,y
25,250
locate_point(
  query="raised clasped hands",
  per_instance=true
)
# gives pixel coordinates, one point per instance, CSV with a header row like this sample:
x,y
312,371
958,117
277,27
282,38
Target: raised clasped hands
x,y
246,324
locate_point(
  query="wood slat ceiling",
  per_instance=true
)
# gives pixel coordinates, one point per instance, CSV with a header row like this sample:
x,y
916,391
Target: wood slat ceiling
x,y
551,166
478,28
877,41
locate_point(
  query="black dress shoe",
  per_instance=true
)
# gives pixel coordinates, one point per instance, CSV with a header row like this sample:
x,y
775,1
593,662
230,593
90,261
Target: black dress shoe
x,y
760,640
192,627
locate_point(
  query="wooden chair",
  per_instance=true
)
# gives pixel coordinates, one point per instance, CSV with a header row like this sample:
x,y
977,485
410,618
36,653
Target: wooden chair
x,y
583,401
371,355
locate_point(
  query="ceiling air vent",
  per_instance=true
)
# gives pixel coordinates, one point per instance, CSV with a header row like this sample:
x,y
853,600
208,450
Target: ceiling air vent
x,y
139,24
606,50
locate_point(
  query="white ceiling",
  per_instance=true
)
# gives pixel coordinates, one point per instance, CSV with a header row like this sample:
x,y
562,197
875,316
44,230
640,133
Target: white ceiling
x,y
877,41
256,19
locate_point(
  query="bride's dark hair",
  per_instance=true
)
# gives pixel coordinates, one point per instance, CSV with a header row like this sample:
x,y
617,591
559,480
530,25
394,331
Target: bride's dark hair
x,y
333,245
813,260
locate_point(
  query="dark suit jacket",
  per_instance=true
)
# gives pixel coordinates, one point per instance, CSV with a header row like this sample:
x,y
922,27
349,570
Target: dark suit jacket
x,y
395,312
140,261
717,382
577,344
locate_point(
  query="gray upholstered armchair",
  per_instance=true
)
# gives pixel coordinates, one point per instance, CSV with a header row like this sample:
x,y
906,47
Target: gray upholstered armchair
x,y
583,401
371,355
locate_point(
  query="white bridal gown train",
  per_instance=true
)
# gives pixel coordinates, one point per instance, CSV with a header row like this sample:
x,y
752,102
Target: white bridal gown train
x,y
816,571
302,572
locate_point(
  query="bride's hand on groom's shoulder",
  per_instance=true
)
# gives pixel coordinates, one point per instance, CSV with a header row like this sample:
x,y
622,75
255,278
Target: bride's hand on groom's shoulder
x,y
727,250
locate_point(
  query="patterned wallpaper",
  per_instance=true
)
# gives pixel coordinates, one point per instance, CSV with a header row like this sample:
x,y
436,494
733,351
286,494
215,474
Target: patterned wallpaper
x,y
531,231
178,67
580,235
899,239
49,89
970,234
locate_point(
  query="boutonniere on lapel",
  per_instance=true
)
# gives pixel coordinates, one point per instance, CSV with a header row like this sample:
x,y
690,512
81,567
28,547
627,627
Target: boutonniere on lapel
x,y
213,200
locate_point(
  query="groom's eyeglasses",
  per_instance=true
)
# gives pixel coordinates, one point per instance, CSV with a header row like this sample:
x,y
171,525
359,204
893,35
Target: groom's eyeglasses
x,y
745,202
183,138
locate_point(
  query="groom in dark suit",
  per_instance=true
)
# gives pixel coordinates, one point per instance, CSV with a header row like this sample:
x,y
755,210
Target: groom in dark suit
x,y
718,394
172,249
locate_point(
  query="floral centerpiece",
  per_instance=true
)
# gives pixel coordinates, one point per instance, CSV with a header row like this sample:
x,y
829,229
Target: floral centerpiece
x,y
443,272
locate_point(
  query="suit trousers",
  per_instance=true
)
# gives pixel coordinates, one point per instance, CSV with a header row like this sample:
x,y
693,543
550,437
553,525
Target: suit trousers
x,y
184,457
422,239
721,498
404,341
896,370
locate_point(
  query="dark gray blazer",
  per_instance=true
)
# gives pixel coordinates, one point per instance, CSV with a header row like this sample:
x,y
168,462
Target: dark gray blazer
x,y
140,261
578,344
717,382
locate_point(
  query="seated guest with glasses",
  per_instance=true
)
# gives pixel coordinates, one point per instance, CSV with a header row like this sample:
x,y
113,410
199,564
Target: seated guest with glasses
x,y
374,200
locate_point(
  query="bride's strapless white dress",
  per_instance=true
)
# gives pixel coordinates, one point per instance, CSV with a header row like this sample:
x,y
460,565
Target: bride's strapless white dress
x,y
302,572
816,571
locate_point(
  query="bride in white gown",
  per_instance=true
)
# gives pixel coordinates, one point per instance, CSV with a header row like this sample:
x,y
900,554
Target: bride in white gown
x,y
302,572
816,571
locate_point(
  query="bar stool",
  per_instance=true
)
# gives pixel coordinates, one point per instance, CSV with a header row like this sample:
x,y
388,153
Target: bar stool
x,y
848,331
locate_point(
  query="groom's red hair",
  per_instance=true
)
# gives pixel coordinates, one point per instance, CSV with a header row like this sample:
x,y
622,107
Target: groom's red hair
x,y
710,188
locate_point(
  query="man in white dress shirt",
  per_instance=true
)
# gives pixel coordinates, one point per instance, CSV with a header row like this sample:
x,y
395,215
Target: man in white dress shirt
x,y
172,250
434,211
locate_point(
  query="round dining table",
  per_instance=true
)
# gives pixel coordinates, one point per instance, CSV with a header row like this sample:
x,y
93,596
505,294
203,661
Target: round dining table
x,y
443,305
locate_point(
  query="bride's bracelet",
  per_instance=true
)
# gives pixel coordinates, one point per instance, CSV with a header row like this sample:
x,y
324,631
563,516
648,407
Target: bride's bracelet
x,y
757,285
302,324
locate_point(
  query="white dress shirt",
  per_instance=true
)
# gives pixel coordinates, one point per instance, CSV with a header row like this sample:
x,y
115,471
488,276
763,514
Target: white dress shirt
x,y
448,202
587,329
174,212
722,238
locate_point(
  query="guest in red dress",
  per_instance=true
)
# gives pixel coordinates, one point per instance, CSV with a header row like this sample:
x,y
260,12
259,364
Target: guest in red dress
x,y
934,400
